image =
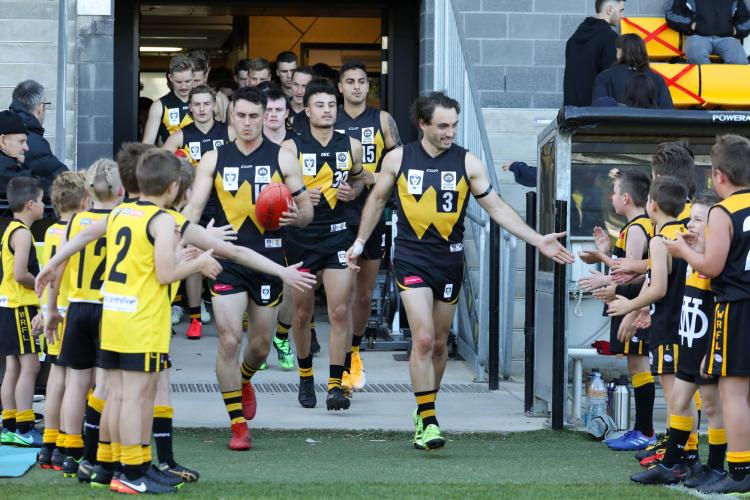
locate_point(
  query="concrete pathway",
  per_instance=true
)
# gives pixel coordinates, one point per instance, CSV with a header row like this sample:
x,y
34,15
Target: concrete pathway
x,y
468,406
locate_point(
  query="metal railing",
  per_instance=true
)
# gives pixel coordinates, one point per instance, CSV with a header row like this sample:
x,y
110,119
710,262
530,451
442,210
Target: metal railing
x,y
453,74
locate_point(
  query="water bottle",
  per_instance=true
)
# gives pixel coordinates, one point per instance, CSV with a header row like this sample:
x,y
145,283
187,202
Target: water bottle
x,y
621,405
596,398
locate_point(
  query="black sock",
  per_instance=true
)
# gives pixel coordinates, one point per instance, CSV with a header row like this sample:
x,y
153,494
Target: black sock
x,y
426,407
305,367
91,428
738,469
645,393
357,340
675,447
163,434
348,362
716,455
334,380
132,471
282,331
194,312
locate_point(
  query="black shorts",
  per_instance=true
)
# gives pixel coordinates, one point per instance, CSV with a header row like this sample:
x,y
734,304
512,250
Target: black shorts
x,y
689,367
82,334
15,331
697,379
317,259
664,359
444,281
374,248
637,346
263,289
729,351
150,362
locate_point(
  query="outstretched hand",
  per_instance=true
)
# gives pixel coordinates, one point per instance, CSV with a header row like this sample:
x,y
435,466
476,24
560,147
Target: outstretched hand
x,y
551,247
301,280
352,255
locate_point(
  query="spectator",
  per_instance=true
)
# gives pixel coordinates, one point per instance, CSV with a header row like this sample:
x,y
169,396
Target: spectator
x,y
632,72
712,27
524,174
28,103
590,51
13,149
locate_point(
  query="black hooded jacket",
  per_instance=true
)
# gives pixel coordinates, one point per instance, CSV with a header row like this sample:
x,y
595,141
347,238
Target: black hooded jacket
x,y
9,168
588,52
39,158
711,17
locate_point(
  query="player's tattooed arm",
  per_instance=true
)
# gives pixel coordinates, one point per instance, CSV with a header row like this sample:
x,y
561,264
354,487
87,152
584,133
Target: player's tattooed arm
x,y
392,137
359,178
202,184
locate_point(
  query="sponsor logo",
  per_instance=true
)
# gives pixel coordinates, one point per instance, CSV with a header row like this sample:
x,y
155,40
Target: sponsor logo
x,y
222,287
668,358
195,150
448,291
342,256
325,154
412,280
133,212
342,160
448,181
262,174
727,117
335,228
309,164
718,358
120,303
230,179
85,221
432,170
273,242
693,321
650,358
368,135
340,131
265,292
218,143
457,247
173,115
415,179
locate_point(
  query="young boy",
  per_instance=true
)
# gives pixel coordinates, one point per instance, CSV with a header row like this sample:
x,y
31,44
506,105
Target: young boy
x,y
18,305
696,317
664,285
85,270
629,195
724,260
136,315
68,197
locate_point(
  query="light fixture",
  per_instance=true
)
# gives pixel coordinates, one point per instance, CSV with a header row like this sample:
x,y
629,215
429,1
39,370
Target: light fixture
x,y
160,49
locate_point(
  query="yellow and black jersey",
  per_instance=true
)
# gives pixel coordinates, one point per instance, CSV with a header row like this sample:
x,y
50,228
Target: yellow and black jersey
x,y
180,225
431,199
324,168
642,221
238,181
666,312
52,238
136,307
300,123
195,143
175,115
684,216
733,284
86,268
366,129
12,293
697,315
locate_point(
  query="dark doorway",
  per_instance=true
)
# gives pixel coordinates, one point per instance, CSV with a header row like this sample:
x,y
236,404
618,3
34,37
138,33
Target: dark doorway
x,y
227,30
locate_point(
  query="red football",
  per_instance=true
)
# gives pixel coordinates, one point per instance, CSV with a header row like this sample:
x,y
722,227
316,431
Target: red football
x,y
273,200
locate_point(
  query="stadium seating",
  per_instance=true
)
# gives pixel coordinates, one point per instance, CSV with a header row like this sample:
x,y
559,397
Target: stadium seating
x,y
691,86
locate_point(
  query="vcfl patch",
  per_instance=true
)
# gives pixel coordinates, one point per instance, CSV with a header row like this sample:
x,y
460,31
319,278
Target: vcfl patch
x,y
309,164
414,181
230,179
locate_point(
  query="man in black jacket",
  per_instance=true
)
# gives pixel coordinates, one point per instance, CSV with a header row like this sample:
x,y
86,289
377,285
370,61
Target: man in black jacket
x,y
590,51
28,103
712,27
13,148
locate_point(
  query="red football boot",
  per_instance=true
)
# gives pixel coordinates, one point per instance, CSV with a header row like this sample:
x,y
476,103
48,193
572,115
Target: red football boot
x,y
195,329
249,403
240,437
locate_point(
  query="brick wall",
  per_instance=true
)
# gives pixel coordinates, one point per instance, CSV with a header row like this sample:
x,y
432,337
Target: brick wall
x,y
517,47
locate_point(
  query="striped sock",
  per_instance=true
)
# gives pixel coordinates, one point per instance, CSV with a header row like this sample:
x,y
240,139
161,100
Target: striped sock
x,y
334,380
282,330
426,407
194,312
305,366
233,402
247,372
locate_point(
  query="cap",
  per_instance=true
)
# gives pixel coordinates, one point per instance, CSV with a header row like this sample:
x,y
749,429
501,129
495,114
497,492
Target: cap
x,y
10,123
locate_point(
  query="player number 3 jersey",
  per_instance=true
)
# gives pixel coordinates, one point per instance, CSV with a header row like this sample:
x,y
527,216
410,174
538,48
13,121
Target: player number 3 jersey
x,y
432,194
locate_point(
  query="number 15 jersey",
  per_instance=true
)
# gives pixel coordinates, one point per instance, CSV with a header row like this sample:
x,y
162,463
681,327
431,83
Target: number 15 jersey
x,y
432,194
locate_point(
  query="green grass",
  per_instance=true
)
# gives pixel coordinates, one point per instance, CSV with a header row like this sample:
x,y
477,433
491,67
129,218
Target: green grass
x,y
345,464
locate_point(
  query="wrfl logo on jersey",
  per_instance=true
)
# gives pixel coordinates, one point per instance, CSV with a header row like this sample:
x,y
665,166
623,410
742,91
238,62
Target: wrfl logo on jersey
x,y
230,178
368,135
342,161
448,181
309,165
415,179
262,175
174,116
195,150
693,321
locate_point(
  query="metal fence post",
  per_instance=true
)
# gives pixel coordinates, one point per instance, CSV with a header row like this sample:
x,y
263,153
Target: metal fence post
x,y
530,308
494,307
559,349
